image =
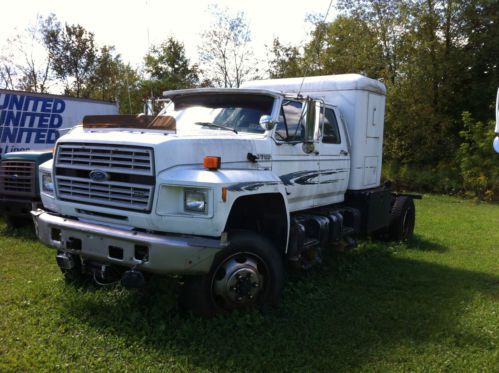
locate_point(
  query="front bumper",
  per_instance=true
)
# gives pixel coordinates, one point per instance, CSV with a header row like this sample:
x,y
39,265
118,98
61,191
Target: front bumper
x,y
166,254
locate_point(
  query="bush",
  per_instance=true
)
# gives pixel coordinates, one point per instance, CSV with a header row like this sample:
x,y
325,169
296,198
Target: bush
x,y
479,165
473,171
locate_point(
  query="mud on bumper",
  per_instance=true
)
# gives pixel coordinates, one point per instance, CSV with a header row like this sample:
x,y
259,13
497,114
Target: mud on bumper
x,y
167,254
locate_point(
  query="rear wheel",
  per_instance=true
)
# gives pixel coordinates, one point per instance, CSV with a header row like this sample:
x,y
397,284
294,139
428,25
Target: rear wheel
x,y
402,219
248,273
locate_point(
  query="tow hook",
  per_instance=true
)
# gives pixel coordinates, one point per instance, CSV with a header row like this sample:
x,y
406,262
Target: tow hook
x,y
133,279
65,260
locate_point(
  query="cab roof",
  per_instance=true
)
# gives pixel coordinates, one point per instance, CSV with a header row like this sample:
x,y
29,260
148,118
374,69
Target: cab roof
x,y
195,91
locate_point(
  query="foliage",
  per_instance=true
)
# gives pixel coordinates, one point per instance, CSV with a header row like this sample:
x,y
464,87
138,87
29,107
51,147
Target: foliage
x,y
24,61
225,49
477,160
343,46
286,62
430,305
73,54
169,68
437,58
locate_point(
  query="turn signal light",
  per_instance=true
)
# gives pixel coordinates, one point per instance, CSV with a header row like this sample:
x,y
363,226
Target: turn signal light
x,y
212,163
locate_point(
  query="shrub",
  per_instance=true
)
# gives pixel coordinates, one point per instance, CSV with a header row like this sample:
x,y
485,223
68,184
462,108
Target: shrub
x,y
478,163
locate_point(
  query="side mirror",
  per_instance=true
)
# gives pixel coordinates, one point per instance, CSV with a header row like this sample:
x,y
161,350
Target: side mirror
x,y
266,122
310,120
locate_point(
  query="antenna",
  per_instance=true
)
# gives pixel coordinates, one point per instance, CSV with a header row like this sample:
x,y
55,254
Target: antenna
x,y
128,92
148,45
318,53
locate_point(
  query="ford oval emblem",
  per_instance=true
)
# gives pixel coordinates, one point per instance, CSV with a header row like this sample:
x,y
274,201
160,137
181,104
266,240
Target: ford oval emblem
x,y
98,175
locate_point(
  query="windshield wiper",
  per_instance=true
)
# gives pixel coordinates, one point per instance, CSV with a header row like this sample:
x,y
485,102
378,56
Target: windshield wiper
x,y
214,125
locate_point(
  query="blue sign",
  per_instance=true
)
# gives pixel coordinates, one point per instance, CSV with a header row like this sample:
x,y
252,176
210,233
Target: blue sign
x,y
26,120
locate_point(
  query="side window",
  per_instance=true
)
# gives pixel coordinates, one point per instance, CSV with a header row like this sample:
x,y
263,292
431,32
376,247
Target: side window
x,y
331,133
291,125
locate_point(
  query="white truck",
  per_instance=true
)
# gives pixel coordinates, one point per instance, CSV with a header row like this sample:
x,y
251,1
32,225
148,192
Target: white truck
x,y
224,187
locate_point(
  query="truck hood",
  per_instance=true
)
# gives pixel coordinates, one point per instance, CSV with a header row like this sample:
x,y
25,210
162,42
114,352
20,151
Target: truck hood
x,y
174,150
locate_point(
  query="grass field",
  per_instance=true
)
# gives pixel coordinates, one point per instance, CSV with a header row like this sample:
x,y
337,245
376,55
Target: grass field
x,y
432,305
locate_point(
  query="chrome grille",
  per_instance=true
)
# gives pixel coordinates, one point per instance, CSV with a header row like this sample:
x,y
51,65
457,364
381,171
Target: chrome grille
x,y
18,178
112,158
121,195
129,184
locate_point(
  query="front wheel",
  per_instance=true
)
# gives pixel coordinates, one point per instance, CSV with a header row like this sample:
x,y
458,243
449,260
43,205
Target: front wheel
x,y
248,273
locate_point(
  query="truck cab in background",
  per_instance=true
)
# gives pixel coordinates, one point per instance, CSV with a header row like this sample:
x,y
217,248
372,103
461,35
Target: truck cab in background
x,y
224,187
19,185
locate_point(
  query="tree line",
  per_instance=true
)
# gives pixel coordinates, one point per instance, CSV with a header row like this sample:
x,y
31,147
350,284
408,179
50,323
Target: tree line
x,y
51,56
440,62
438,58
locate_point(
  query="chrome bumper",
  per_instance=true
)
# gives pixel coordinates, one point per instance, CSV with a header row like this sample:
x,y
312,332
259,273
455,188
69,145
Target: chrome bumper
x,y
165,253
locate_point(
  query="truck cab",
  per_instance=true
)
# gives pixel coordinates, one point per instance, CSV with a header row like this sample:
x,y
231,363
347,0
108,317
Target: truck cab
x,y
225,187
19,186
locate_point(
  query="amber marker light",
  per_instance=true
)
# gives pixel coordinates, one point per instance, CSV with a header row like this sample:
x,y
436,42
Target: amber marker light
x,y
224,194
212,163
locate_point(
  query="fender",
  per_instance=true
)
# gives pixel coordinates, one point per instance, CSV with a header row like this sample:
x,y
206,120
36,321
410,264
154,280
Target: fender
x,y
225,186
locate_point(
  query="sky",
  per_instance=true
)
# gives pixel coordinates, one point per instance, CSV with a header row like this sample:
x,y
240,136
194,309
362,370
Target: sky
x,y
131,26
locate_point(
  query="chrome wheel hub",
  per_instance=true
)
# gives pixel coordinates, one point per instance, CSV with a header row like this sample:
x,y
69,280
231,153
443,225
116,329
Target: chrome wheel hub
x,y
238,280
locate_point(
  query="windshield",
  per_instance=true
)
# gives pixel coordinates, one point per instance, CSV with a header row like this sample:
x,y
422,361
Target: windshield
x,y
220,112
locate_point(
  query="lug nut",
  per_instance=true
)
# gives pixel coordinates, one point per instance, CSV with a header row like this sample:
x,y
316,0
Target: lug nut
x,y
255,284
239,299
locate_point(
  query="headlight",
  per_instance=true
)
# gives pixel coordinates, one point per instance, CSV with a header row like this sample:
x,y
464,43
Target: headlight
x,y
195,201
47,183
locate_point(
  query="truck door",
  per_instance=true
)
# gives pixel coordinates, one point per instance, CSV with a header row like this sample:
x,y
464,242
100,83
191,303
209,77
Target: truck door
x,y
334,159
298,170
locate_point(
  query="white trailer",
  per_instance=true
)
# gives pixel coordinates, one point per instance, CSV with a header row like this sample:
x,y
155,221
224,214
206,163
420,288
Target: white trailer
x,y
34,121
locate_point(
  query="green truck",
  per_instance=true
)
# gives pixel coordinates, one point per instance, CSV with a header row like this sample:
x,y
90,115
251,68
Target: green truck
x,y
19,186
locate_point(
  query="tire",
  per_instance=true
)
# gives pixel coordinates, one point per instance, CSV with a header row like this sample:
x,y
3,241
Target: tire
x,y
248,273
402,219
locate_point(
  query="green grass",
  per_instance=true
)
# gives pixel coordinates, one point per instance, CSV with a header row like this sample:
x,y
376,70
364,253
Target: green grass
x,y
432,305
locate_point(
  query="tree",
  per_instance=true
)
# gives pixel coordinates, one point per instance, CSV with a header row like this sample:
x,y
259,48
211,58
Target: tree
x,y
225,49
346,45
8,73
25,63
286,61
73,54
169,67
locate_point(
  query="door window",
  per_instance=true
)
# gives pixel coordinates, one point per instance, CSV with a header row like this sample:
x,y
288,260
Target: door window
x,y
291,122
331,133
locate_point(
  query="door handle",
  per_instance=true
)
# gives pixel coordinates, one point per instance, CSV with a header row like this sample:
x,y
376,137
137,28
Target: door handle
x,y
343,152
